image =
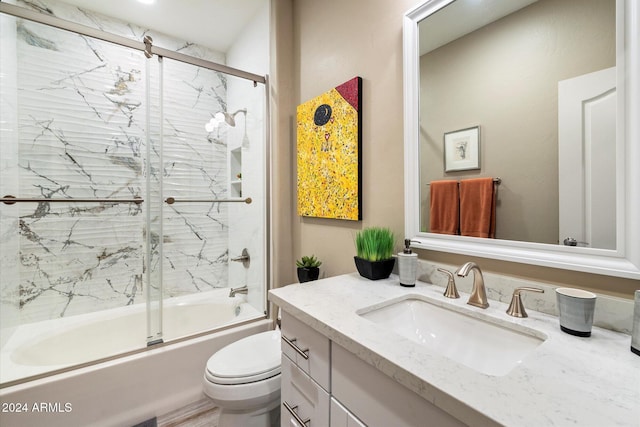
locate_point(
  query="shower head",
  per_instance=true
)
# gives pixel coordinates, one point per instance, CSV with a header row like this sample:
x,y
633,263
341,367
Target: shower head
x,y
223,116
230,118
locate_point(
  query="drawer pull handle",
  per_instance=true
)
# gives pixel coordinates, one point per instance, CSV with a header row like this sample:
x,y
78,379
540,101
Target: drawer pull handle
x,y
294,414
292,342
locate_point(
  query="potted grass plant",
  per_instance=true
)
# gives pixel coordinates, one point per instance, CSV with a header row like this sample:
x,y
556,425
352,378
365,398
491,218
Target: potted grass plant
x,y
374,246
308,268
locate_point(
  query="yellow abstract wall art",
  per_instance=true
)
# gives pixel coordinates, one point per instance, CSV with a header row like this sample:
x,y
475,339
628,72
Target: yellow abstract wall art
x,y
329,141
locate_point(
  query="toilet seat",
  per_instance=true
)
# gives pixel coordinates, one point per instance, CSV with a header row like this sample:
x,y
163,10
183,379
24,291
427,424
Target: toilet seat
x,y
253,358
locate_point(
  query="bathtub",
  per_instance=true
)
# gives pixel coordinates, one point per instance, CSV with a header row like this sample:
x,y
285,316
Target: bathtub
x,y
121,390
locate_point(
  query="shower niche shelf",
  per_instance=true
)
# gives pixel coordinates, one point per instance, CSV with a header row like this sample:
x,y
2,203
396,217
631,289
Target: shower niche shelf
x,y
235,171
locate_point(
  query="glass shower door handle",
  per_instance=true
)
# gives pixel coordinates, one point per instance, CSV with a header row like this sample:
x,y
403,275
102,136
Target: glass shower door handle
x,y
172,200
11,200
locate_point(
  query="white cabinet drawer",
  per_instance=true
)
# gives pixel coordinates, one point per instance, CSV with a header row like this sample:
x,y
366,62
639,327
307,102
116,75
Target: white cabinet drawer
x,y
341,417
304,403
308,348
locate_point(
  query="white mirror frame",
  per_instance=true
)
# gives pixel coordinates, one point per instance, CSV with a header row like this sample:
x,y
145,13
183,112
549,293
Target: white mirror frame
x,y
622,262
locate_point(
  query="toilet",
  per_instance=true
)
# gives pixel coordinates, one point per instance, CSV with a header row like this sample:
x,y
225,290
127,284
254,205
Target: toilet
x,y
243,380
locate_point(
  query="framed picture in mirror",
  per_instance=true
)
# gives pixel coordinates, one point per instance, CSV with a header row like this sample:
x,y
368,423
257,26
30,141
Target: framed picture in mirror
x,y
462,149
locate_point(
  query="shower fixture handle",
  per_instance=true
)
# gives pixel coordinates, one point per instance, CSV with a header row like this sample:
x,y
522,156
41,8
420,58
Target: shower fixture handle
x,y
245,259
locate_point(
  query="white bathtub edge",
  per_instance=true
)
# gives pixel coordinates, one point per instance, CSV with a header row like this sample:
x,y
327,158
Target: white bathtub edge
x,y
124,391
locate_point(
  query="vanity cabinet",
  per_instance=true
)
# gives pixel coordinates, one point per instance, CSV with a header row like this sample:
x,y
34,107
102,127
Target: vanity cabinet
x,y
323,384
305,375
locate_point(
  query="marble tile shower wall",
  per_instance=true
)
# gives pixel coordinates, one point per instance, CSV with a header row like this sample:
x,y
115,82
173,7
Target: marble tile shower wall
x,y
84,121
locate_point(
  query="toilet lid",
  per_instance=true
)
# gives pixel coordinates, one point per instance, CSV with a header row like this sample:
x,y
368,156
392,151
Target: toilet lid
x,y
253,358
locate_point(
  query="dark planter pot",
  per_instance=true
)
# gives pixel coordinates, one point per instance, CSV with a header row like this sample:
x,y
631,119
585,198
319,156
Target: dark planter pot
x,y
374,270
307,274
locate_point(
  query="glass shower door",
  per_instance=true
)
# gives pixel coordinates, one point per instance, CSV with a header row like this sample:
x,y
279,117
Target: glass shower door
x,y
73,137
213,162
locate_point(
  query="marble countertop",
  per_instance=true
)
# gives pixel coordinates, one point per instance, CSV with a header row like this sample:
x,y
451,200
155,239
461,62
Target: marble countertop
x,y
566,381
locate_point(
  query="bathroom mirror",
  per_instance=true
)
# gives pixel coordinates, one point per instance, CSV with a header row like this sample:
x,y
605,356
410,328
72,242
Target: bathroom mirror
x,y
444,19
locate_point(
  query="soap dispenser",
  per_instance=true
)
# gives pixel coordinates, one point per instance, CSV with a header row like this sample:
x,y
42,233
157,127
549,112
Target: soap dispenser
x,y
407,265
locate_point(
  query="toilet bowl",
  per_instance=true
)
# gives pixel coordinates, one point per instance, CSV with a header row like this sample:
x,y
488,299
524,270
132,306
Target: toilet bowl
x,y
243,380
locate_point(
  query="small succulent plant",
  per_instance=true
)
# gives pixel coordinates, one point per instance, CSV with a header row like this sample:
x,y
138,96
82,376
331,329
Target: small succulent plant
x,y
308,261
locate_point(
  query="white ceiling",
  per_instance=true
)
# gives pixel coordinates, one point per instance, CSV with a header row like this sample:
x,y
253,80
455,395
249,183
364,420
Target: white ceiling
x,y
211,23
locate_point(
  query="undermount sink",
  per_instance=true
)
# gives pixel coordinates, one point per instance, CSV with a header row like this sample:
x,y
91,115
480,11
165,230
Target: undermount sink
x,y
487,347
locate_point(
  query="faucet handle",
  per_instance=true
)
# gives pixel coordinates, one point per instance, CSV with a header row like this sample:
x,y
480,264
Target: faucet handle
x,y
451,291
516,308
245,259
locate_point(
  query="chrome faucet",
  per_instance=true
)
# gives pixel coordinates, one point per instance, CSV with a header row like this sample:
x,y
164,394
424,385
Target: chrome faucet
x,y
478,297
241,290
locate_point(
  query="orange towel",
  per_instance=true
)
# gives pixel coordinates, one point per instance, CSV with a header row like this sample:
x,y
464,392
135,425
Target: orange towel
x,y
478,207
444,208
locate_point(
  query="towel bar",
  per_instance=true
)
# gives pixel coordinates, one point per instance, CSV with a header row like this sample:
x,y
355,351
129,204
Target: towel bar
x,y
496,181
